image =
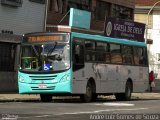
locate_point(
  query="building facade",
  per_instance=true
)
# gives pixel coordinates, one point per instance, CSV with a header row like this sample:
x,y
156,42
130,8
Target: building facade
x,y
148,12
58,11
17,17
22,16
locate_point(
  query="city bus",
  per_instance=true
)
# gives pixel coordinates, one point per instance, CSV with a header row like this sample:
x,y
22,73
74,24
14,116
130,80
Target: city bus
x,y
83,64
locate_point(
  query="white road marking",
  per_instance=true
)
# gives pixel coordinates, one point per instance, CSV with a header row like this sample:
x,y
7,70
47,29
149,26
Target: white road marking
x,y
105,110
87,112
42,116
117,104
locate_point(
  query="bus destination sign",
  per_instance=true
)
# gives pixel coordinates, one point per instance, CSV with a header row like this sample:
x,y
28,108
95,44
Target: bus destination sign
x,y
45,38
119,28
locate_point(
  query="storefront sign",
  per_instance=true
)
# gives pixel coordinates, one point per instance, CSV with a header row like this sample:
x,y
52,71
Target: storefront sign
x,y
119,28
79,18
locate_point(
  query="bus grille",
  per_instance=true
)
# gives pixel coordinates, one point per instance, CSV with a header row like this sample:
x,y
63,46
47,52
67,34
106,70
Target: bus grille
x,y
48,88
51,77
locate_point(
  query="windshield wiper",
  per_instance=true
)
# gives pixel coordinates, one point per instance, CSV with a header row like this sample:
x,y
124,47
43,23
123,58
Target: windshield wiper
x,y
35,50
52,49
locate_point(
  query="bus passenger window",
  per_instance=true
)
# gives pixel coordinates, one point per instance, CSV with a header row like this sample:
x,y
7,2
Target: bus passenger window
x,y
89,45
116,58
139,56
127,54
143,57
77,53
127,59
115,50
107,58
88,57
93,56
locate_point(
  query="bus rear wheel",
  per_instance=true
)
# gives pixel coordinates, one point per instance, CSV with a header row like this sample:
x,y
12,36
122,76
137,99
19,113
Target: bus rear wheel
x,y
127,94
46,97
87,97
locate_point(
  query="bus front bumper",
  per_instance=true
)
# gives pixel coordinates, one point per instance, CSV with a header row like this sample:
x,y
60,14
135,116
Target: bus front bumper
x,y
62,87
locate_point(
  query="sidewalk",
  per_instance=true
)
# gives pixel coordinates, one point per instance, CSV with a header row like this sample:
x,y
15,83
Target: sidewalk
x,y
18,97
146,96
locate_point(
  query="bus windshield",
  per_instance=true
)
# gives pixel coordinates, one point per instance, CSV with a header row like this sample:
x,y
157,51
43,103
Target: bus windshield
x,y
52,56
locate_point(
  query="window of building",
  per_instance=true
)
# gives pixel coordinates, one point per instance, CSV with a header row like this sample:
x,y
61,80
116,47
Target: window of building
x,y
50,5
79,4
15,3
158,56
38,1
122,12
142,18
7,54
57,6
102,10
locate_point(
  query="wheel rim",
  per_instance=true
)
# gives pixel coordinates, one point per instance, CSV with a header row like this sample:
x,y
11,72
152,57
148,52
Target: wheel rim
x,y
88,92
129,92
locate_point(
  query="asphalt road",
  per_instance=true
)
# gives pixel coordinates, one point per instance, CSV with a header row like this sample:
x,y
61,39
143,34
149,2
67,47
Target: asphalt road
x,y
71,109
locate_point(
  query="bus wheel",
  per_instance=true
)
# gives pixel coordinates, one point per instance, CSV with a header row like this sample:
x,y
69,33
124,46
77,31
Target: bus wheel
x,y
46,97
87,97
127,95
95,96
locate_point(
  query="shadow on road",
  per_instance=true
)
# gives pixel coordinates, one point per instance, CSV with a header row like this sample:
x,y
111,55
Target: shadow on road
x,y
69,99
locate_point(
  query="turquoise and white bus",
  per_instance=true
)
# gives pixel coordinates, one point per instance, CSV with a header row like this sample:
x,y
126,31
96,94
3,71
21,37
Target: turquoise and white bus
x,y
84,64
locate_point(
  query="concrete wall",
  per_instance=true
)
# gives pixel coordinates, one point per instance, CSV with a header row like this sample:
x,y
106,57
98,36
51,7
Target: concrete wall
x,y
8,82
8,79
20,20
127,3
157,87
30,17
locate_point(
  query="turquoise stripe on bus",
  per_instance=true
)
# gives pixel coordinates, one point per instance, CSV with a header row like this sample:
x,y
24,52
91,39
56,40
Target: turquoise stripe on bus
x,y
108,39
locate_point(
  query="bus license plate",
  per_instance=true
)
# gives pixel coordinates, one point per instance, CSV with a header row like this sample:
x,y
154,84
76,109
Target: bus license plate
x,y
42,86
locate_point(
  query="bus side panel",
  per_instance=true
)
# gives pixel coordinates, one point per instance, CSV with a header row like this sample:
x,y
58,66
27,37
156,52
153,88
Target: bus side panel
x,y
110,78
81,77
140,78
106,78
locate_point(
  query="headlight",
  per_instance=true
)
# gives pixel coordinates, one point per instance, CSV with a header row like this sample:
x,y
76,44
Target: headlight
x,y
21,79
65,78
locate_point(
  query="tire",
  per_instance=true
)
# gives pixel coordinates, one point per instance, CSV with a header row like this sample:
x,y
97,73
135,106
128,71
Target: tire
x,y
127,95
46,97
88,96
95,96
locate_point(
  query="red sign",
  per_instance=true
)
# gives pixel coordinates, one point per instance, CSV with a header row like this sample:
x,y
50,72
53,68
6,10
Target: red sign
x,y
42,86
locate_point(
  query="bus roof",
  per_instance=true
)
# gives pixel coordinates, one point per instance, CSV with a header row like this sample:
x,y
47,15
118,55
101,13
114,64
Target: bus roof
x,y
108,39
92,34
